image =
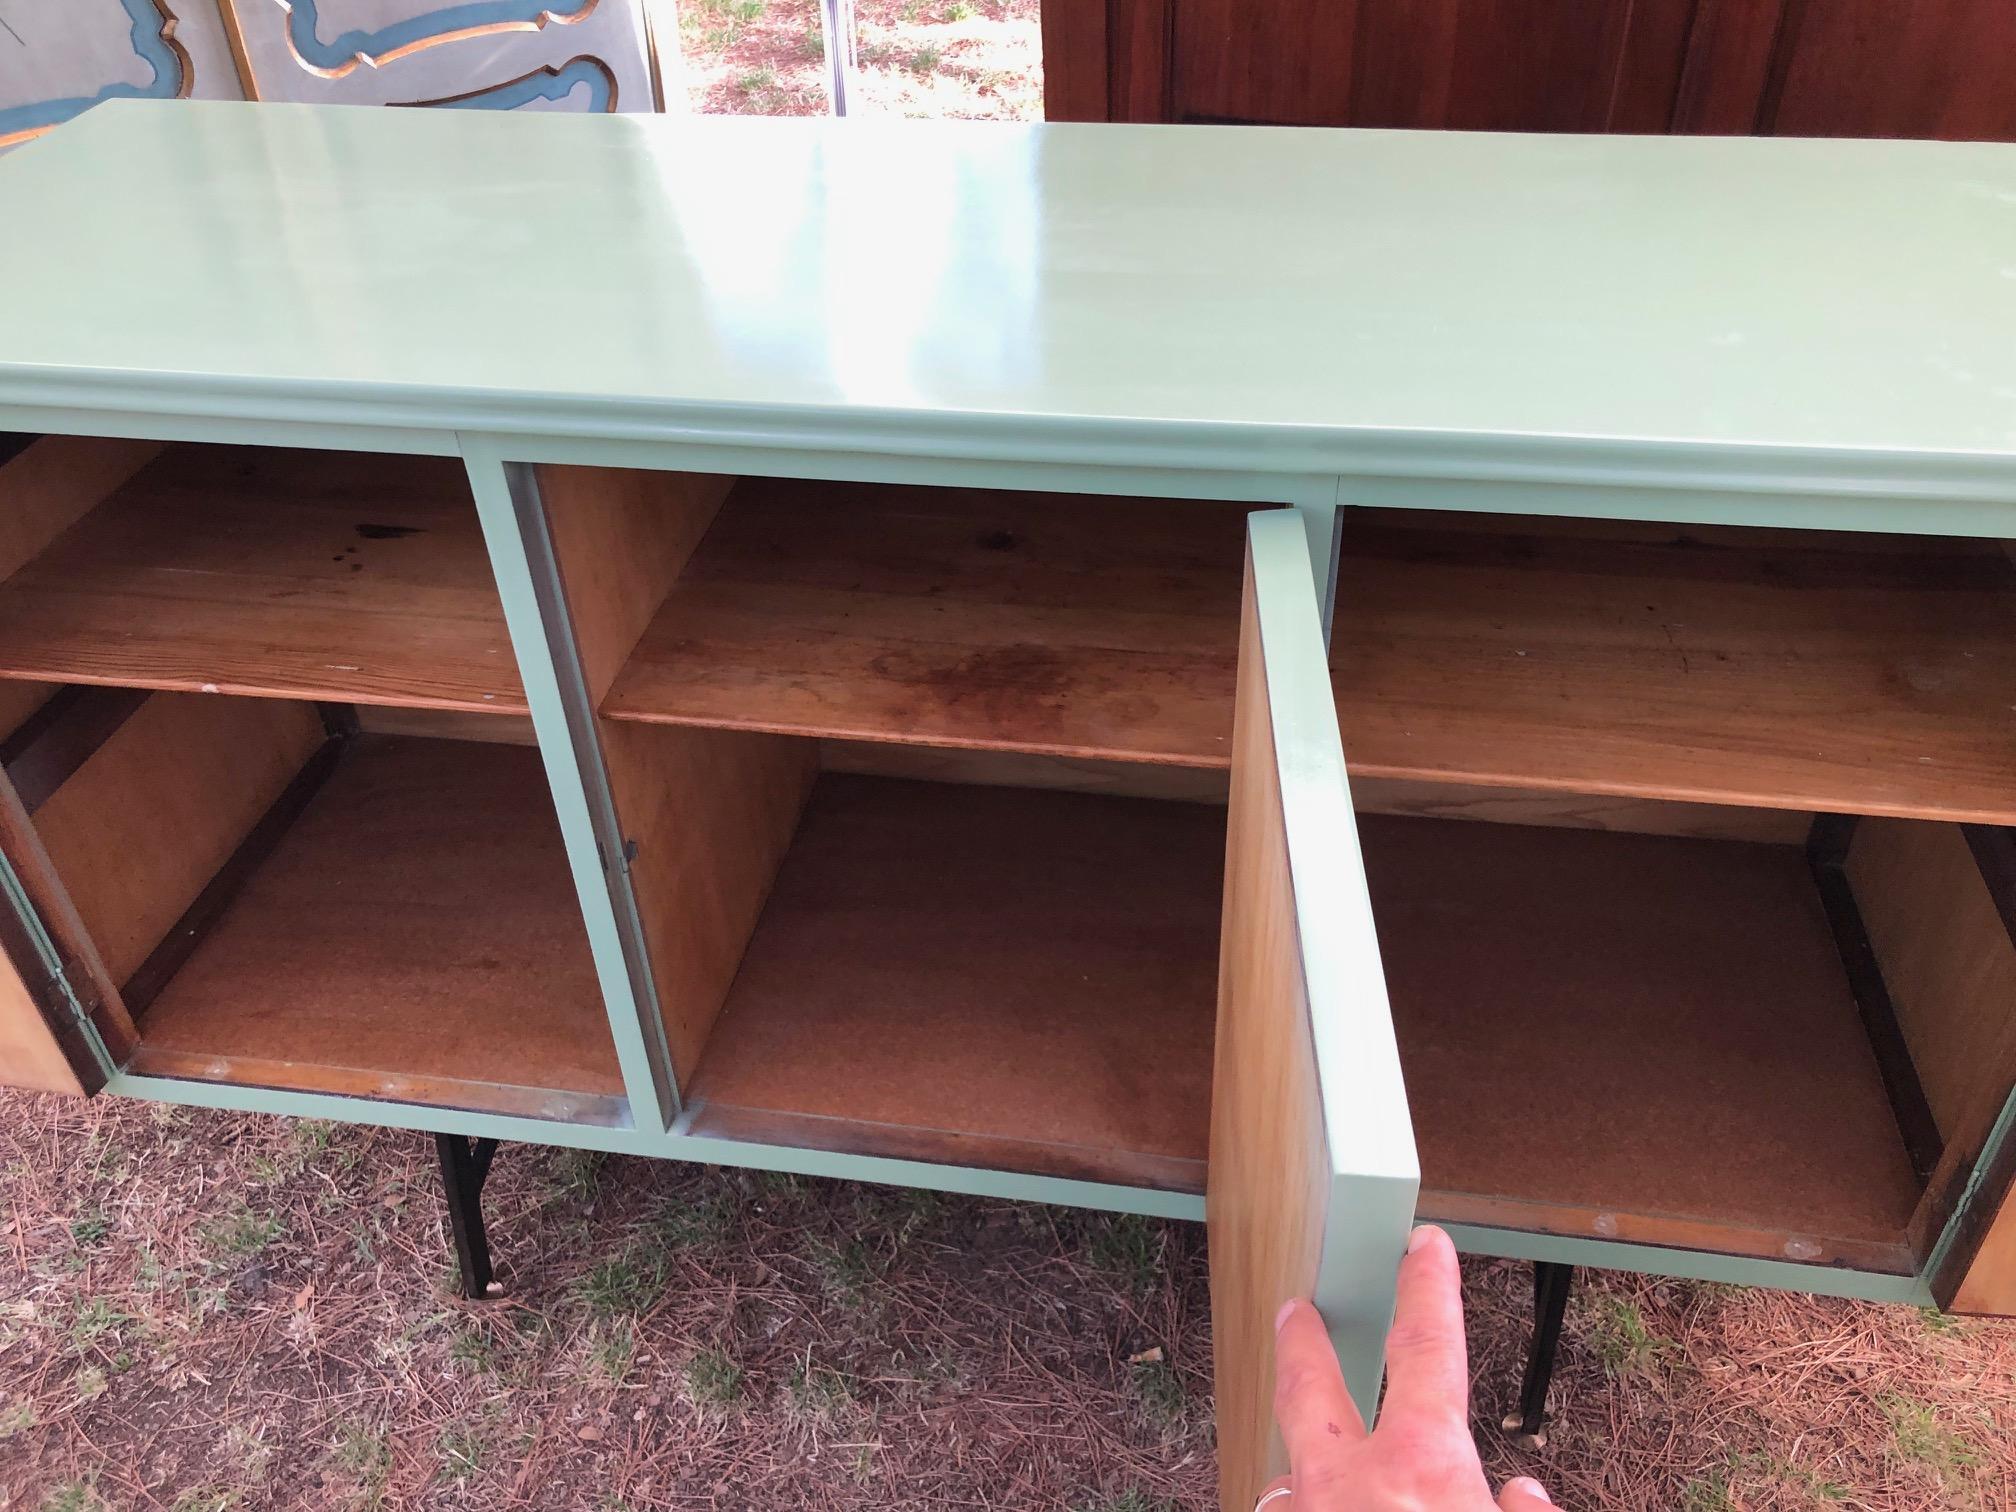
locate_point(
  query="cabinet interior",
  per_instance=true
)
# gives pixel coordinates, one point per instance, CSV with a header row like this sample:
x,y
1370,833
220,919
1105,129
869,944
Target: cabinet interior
x,y
1056,624
913,780
1634,769
1687,856
352,882
925,788
340,576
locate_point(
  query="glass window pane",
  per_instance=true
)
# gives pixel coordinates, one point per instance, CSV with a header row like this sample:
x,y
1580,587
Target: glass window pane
x,y
980,59
752,57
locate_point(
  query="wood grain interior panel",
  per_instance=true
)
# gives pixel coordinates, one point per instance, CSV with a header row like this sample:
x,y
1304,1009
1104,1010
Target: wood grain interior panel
x,y
50,903
1978,1275
148,820
30,1057
444,724
323,575
1989,1287
1948,963
983,974
20,699
1790,670
1063,624
415,936
1267,1196
1594,811
622,536
1634,1036
1075,774
710,814
707,813
53,483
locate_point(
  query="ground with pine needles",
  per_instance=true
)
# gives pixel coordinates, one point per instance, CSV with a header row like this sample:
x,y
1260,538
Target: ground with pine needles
x,y
207,1311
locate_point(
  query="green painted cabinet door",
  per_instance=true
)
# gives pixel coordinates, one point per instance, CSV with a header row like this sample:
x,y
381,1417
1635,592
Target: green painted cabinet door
x,y
1312,1170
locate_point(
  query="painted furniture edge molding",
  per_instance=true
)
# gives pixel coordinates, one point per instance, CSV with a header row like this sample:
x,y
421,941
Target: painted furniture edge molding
x,y
1486,448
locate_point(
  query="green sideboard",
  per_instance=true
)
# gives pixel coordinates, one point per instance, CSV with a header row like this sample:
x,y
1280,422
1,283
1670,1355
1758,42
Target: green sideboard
x,y
1291,678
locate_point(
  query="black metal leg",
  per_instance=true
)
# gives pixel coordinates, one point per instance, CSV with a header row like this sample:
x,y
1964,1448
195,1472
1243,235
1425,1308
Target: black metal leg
x,y
1551,1284
464,1165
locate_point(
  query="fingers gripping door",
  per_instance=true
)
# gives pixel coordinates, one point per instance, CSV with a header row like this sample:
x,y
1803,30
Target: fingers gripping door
x,y
1312,1167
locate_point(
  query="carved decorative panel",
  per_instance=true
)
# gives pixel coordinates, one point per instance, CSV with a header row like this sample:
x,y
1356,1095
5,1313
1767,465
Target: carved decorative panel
x,y
60,57
585,55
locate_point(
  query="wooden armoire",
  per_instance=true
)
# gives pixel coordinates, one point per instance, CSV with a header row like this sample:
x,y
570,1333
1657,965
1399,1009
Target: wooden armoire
x,y
1873,68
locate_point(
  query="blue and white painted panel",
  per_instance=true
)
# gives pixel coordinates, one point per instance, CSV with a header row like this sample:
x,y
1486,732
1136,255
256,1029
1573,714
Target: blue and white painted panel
x,y
60,57
582,55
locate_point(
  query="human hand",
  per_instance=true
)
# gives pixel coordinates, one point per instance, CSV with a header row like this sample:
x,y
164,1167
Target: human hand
x,y
1420,1457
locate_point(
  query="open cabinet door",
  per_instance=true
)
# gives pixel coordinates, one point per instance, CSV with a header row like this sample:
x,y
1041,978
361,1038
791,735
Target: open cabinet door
x,y
60,1020
1975,1274
1312,1168
49,1041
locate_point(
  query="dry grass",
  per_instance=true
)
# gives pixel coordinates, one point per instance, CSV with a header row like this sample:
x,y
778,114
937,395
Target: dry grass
x,y
978,59
208,1311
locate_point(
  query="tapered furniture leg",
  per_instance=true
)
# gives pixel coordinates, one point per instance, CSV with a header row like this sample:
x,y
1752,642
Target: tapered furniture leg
x,y
1551,1284
465,1163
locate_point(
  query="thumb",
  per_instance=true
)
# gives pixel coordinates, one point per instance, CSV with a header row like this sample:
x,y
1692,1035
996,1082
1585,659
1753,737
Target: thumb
x,y
1524,1495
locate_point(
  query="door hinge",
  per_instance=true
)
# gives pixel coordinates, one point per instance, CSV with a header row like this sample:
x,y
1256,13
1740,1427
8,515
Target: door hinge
x,y
67,993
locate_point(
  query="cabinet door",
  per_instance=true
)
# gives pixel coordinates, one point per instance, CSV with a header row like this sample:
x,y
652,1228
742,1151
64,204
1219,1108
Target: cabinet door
x,y
45,993
1312,1168
1977,1272
1438,64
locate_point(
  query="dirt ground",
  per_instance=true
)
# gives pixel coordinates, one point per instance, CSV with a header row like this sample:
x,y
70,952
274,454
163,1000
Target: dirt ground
x,y
207,1311
980,59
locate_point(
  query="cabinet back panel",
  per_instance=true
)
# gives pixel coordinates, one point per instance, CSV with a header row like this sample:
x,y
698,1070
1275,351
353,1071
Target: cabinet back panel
x,y
20,699
1072,774
53,483
1369,795
1592,811
446,724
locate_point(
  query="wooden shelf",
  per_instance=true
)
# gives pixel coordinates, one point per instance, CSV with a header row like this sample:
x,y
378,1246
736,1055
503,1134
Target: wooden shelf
x,y
1639,1037
981,976
324,575
414,936
1079,626
1850,674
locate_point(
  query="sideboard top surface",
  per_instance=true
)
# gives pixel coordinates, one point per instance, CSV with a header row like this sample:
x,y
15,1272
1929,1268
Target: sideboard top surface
x,y
1342,300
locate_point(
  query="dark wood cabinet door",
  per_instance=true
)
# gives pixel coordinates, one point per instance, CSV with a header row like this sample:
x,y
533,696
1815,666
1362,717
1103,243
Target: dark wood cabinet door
x,y
1503,65
1784,67
1893,68
1487,65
